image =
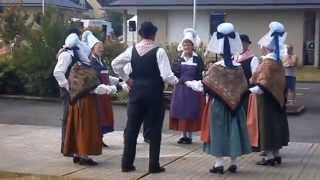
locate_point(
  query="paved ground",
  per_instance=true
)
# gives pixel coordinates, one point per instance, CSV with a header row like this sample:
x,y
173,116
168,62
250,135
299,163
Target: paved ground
x,y
33,147
303,128
35,150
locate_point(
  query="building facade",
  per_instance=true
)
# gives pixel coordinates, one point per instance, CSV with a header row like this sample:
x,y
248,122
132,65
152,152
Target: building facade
x,y
302,20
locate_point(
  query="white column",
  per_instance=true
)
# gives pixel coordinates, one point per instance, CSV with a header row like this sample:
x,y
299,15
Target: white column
x,y
317,40
124,26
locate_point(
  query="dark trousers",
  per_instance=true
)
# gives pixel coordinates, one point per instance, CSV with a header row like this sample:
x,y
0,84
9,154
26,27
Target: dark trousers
x,y
65,105
138,112
146,129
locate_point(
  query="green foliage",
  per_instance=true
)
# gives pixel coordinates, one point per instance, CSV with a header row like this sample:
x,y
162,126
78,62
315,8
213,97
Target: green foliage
x,y
112,49
12,23
173,53
116,19
9,80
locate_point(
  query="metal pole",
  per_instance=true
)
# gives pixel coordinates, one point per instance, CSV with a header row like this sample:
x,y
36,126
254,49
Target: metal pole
x,y
125,28
194,13
133,40
43,7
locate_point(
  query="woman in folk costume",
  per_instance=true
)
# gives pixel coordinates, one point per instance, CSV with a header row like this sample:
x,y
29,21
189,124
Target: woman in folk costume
x,y
83,133
67,56
104,101
224,119
270,84
150,69
186,104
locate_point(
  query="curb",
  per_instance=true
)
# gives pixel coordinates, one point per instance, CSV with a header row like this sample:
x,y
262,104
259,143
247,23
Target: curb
x,y
34,98
47,99
311,82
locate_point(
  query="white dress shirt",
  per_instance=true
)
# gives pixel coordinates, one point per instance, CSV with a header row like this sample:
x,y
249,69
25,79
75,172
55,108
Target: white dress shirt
x,y
122,66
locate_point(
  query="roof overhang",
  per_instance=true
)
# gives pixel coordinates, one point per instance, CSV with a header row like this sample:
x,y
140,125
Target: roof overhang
x,y
40,5
209,7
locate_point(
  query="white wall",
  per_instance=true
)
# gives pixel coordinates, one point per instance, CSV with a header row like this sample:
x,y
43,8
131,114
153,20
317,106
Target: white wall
x,y
179,20
159,19
132,36
255,24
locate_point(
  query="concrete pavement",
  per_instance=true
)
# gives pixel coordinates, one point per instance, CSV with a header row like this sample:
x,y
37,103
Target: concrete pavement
x,y
35,150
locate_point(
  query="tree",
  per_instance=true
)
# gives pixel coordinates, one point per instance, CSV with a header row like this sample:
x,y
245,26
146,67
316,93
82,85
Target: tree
x,y
36,61
116,19
12,23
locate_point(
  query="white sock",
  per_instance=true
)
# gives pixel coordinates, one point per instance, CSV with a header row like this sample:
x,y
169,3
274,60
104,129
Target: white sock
x,y
233,161
184,134
270,155
276,153
190,135
219,162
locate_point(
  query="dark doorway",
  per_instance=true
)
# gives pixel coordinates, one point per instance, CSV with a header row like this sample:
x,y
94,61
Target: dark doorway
x,y
309,35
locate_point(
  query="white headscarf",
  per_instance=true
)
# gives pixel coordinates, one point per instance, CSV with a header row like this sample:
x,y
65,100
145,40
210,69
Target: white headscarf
x,y
217,45
72,40
227,42
269,40
92,40
192,35
84,37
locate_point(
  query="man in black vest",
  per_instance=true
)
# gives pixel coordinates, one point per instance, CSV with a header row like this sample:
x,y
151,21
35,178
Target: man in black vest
x,y
247,59
249,63
150,69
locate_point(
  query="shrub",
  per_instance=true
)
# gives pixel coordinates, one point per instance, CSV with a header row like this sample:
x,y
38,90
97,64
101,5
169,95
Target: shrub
x,y
173,53
9,80
37,59
112,49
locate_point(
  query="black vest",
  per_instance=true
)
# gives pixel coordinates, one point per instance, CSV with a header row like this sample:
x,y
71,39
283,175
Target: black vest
x,y
246,66
75,58
147,82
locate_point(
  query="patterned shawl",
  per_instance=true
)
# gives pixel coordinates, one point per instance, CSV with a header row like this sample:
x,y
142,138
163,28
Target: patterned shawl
x,y
229,84
271,78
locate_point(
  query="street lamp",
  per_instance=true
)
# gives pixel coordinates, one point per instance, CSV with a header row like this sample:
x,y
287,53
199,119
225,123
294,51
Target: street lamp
x,y
194,13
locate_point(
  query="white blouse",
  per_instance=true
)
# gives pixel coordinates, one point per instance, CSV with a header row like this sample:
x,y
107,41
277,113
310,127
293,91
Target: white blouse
x,y
122,66
64,61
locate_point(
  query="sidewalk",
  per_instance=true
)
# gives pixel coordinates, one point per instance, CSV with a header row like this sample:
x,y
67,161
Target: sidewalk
x,y
35,150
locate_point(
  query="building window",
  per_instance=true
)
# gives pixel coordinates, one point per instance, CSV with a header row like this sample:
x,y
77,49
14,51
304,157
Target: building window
x,y
216,19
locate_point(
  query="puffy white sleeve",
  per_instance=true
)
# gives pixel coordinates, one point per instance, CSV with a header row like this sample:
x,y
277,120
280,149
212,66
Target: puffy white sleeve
x,y
120,62
113,80
254,64
256,90
195,85
165,68
64,61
